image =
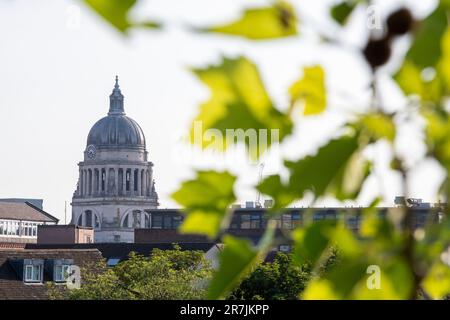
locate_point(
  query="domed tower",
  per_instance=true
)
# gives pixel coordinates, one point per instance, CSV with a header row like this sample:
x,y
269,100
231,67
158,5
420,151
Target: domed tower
x,y
115,186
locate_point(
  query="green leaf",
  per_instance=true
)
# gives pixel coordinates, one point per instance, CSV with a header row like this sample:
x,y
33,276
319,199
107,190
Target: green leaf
x,y
322,172
339,283
437,281
410,80
319,289
116,12
438,135
272,22
426,49
239,109
349,180
312,241
379,126
341,11
345,241
206,200
310,90
349,281
236,260
342,169
444,64
275,188
430,51
395,282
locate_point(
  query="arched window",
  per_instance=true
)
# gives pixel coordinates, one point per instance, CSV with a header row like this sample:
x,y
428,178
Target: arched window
x,y
136,219
89,219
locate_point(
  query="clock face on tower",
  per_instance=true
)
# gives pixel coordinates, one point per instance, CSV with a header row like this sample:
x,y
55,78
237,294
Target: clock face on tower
x,y
91,152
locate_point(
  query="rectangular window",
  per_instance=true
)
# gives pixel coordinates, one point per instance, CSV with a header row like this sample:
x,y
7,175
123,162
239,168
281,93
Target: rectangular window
x,y
286,221
33,273
295,220
61,272
255,222
156,221
167,222
234,222
318,216
17,228
245,221
330,215
177,220
34,231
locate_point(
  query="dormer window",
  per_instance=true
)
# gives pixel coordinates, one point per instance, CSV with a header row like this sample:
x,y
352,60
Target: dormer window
x,y
59,269
33,271
61,272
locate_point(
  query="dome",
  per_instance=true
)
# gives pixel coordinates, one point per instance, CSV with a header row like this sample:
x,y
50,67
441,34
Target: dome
x,y
116,129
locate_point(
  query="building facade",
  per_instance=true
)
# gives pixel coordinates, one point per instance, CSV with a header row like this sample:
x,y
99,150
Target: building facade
x,y
251,223
115,188
19,222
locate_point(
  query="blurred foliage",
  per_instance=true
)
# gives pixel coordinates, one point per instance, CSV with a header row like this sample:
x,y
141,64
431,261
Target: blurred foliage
x,y
276,21
410,260
239,101
207,199
311,90
117,13
341,11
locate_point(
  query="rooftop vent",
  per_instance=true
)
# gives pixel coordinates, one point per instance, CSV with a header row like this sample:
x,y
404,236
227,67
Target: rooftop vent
x,y
249,204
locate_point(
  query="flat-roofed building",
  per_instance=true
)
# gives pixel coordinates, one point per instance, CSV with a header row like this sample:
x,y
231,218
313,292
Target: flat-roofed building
x,y
64,234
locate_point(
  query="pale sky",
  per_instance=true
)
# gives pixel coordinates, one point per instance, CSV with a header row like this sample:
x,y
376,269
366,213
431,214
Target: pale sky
x,y
56,76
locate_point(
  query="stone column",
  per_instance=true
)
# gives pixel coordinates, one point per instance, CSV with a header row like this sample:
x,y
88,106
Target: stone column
x,y
99,180
142,172
116,171
132,181
92,181
85,184
144,183
83,219
124,181
93,219
107,180
139,190
80,183
149,182
95,182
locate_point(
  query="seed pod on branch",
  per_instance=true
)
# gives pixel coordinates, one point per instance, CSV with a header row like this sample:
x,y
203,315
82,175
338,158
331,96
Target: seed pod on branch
x,y
400,22
377,52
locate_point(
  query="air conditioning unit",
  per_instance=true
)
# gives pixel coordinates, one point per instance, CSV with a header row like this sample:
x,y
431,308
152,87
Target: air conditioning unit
x,y
268,203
